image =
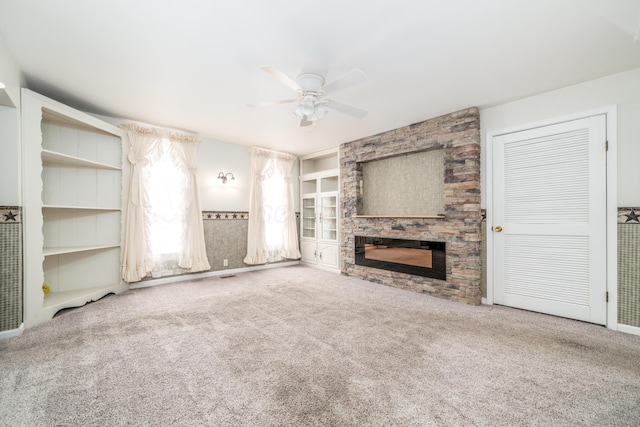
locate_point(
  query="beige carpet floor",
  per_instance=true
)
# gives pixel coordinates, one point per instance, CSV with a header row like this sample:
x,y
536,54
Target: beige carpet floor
x,y
298,346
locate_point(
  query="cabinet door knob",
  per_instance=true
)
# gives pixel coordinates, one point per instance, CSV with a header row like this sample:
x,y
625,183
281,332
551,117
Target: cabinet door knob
x,y
498,228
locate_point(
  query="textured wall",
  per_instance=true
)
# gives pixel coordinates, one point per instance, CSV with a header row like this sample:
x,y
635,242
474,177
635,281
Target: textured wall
x,y
10,267
421,177
225,235
628,267
458,135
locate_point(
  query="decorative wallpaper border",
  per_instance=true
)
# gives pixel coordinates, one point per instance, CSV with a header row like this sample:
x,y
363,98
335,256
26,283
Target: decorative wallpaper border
x,y
10,214
222,215
628,215
227,215
625,215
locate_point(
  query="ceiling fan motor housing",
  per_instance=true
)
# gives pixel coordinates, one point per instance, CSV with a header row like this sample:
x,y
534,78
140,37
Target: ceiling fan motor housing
x,y
310,82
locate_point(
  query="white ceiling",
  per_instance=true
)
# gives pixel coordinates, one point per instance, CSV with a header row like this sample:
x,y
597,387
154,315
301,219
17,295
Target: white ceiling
x,y
194,64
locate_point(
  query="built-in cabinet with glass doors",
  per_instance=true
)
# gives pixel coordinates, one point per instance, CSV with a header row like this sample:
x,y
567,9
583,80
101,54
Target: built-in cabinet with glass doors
x,y
320,236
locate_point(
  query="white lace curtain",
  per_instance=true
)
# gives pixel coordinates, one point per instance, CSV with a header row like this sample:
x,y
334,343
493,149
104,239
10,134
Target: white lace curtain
x,y
147,146
193,256
272,232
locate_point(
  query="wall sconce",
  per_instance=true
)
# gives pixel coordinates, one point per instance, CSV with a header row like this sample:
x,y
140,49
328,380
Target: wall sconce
x,y
225,177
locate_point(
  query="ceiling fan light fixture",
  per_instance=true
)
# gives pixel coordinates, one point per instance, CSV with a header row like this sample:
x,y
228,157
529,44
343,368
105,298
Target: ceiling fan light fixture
x,y
321,110
311,90
308,107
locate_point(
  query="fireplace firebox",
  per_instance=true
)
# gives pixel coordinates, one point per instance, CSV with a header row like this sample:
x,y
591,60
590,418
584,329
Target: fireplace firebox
x,y
418,257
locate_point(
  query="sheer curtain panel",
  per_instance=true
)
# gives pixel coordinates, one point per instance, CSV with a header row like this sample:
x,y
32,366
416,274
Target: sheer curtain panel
x,y
137,258
193,255
273,233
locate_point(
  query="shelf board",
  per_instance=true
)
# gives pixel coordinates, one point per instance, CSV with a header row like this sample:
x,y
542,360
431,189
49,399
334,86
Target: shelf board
x,y
325,173
77,297
88,208
401,216
73,249
54,157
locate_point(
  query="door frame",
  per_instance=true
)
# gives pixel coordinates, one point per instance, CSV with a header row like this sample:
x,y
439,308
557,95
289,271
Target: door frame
x,y
612,198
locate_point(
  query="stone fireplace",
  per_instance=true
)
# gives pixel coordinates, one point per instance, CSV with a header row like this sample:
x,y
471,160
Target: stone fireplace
x,y
458,227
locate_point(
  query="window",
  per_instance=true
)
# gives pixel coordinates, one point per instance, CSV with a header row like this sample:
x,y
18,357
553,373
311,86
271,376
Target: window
x,y
275,203
166,186
273,233
164,234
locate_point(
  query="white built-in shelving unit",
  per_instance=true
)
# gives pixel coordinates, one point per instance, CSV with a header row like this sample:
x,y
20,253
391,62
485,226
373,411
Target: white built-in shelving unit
x,y
320,213
73,207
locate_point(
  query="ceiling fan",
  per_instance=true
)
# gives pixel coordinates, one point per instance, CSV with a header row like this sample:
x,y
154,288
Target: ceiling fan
x,y
311,89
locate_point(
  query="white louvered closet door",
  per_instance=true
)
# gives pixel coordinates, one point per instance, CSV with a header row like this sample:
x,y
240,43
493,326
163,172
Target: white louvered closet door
x,y
550,200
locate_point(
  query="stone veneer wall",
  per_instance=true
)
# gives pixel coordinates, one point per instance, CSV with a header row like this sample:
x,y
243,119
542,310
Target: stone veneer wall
x,y
459,135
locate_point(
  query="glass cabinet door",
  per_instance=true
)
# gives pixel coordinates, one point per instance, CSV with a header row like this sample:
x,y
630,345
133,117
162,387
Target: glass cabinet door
x,y
309,217
329,217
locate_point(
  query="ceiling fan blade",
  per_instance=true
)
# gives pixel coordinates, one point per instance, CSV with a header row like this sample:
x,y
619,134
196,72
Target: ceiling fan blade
x,y
270,103
352,78
282,77
304,122
346,109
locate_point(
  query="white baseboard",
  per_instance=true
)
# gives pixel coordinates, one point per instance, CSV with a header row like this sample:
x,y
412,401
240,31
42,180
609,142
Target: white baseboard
x,y
185,277
634,330
12,332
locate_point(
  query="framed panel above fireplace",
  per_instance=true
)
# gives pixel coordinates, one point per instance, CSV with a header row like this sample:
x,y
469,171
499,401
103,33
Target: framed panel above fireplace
x,y
405,185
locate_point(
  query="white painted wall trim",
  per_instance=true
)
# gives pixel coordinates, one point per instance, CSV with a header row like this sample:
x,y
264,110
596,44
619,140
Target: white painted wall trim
x,y
612,202
634,330
186,277
612,216
12,332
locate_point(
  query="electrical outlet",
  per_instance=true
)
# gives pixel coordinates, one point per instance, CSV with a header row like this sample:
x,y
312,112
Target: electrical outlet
x,y
225,263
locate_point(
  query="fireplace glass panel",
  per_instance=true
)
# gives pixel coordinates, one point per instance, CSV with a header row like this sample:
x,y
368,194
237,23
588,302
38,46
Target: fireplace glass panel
x,y
419,257
409,256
